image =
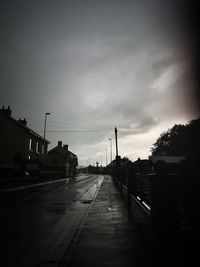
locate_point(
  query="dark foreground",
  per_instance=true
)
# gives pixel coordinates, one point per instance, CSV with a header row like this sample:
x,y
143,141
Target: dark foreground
x,y
109,236
84,222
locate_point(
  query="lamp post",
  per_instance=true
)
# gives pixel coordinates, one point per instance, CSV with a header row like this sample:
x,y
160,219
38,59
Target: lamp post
x,y
110,149
106,156
45,125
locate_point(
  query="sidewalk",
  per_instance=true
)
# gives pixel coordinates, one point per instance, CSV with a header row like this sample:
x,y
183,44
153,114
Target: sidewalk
x,y
109,237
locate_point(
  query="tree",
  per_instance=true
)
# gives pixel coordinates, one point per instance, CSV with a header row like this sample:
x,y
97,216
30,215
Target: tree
x,y
180,140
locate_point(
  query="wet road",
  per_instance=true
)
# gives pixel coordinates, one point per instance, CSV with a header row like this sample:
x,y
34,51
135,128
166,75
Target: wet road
x,y
38,224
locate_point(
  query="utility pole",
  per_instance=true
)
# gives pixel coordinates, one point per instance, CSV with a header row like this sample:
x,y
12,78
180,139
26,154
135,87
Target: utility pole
x,y
110,149
106,156
116,142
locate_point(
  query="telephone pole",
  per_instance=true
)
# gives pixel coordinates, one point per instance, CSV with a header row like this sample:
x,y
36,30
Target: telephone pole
x,y
110,149
116,142
106,156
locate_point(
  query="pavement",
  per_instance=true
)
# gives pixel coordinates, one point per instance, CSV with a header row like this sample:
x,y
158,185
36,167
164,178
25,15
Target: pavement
x,y
109,236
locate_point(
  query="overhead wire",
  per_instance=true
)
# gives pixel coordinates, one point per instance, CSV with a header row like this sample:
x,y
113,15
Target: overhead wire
x,y
50,110
73,131
62,124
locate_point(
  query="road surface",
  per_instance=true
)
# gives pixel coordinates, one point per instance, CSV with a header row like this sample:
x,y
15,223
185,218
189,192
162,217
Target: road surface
x,y
38,224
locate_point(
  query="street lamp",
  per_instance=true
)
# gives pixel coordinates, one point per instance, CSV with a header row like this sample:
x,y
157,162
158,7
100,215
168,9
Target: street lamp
x,y
110,149
106,155
45,124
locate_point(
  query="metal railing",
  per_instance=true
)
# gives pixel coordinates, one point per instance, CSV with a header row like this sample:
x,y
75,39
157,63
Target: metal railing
x,y
171,200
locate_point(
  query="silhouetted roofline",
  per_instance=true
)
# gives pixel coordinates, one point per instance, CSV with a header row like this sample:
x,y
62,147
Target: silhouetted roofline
x,y
26,128
72,153
61,151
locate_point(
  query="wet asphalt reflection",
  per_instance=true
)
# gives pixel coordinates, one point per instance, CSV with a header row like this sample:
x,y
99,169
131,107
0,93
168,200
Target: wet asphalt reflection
x,y
38,224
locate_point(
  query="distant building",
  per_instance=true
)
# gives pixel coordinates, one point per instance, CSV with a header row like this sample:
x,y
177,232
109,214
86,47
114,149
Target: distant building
x,y
142,166
167,159
166,164
18,142
62,158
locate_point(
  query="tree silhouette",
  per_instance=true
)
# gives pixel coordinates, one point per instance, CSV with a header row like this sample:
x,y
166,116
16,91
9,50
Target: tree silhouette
x,y
180,140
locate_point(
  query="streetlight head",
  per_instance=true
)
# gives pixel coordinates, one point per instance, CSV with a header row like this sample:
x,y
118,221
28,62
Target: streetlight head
x,y
47,113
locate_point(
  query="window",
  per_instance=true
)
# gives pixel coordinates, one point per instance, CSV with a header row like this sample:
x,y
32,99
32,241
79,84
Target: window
x,y
30,144
42,149
37,147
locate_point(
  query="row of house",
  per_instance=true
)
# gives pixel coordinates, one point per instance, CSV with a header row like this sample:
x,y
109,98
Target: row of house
x,y
21,148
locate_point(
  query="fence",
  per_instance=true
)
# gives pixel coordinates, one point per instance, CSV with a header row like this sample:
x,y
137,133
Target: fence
x,y
170,202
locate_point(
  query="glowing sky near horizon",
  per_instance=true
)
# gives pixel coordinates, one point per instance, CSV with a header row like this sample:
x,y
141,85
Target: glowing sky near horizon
x,y
96,65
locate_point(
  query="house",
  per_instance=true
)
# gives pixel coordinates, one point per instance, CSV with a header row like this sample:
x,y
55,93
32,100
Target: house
x,y
142,166
166,164
122,162
18,142
61,158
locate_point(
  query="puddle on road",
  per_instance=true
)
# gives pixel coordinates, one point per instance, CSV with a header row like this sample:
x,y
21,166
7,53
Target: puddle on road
x,y
89,201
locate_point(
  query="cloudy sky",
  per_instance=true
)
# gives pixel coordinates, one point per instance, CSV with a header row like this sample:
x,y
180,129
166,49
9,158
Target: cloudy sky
x,y
95,65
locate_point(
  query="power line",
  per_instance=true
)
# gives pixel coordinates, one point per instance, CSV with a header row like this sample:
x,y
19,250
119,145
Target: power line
x,y
54,123
45,109
72,131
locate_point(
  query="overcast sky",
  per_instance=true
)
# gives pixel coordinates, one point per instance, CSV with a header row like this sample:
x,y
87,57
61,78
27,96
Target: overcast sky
x,y
96,65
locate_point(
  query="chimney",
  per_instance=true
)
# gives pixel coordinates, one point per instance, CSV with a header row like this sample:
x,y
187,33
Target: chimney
x,y
6,112
24,121
65,147
60,143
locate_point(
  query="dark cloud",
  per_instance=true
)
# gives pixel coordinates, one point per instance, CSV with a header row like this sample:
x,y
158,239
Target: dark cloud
x,y
114,63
